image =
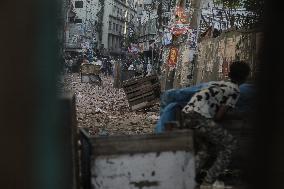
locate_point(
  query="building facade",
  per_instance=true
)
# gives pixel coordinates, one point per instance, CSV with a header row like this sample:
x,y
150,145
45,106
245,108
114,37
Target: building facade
x,y
80,30
147,29
119,22
101,24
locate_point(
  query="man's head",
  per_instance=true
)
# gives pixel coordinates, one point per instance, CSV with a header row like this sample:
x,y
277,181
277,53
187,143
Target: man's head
x,y
239,71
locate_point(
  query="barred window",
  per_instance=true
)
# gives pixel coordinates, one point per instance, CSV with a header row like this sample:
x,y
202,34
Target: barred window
x,y
78,4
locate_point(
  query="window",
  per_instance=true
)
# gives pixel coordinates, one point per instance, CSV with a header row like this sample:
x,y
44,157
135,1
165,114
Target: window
x,y
109,26
78,4
77,20
113,26
120,31
114,10
116,27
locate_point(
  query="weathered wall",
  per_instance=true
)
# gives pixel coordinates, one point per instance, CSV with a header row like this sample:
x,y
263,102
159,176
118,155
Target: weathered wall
x,y
215,55
134,162
148,170
177,79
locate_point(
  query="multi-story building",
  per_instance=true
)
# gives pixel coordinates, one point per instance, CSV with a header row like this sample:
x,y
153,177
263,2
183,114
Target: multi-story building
x,y
148,27
81,25
101,24
119,22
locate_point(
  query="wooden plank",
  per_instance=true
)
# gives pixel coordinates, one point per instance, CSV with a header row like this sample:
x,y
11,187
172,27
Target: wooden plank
x,y
172,141
144,105
141,87
139,106
139,80
145,99
136,87
141,96
142,91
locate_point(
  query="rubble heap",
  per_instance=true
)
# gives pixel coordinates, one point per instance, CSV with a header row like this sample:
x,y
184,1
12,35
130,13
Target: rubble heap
x,y
105,110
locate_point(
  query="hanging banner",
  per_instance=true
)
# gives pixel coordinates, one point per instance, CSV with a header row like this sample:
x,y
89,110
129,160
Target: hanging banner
x,y
181,24
172,61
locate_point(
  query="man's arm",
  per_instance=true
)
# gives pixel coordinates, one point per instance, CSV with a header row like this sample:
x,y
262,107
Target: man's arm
x,y
221,112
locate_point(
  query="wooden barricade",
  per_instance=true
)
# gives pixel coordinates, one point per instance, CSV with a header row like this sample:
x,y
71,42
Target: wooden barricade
x,y
142,92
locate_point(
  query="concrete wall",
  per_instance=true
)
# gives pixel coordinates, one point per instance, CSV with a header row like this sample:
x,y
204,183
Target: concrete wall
x,y
215,54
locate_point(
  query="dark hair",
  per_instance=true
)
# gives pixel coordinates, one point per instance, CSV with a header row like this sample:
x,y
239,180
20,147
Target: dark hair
x,y
239,71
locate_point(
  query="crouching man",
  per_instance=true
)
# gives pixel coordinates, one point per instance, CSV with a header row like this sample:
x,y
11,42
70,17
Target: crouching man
x,y
203,112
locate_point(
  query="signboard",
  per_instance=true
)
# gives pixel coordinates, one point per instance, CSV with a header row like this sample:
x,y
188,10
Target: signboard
x,y
172,61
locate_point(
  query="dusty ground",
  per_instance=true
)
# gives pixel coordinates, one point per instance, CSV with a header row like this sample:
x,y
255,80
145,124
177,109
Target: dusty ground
x,y
105,111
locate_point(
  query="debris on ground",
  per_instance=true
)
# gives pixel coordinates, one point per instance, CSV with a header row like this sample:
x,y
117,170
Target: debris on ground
x,y
104,110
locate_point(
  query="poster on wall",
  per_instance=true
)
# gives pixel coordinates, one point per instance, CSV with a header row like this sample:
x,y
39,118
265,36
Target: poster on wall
x,y
167,38
172,60
181,22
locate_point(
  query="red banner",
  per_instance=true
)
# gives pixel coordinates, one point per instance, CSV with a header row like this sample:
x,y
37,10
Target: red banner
x,y
172,61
